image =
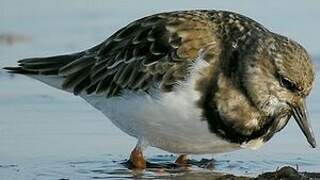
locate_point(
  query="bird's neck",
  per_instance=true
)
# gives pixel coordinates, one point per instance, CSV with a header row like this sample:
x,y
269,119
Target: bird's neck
x,y
229,113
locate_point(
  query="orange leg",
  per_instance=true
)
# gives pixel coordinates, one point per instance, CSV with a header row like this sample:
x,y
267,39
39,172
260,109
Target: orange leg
x,y
182,160
137,159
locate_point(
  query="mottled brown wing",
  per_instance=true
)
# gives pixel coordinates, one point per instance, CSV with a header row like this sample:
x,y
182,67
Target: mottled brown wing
x,y
153,50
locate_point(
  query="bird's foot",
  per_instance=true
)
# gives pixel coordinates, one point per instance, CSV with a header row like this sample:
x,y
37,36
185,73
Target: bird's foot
x,y
137,160
206,163
182,160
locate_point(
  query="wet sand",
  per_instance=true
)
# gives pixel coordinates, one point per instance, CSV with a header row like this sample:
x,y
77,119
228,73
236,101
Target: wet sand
x,y
285,172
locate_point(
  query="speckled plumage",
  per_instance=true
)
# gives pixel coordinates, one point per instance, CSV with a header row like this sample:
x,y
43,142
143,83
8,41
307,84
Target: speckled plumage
x,y
249,84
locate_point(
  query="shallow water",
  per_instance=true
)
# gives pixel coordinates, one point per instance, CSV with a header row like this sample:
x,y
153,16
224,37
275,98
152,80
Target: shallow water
x,y
49,134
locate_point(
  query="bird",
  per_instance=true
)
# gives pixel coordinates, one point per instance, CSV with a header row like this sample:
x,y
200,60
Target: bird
x,y
189,82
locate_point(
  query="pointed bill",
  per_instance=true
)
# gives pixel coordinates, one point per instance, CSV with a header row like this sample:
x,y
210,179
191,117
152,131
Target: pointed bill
x,y
300,114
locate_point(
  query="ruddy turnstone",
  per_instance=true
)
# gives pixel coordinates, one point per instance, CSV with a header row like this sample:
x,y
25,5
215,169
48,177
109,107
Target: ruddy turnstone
x,y
189,82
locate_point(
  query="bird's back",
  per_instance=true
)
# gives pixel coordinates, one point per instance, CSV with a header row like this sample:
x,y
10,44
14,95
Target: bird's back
x,y
154,50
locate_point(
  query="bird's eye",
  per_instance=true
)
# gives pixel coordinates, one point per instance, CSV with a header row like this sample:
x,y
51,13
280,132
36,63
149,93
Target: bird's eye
x,y
288,84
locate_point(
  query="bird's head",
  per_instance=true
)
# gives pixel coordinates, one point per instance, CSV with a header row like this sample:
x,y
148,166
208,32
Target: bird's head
x,y
277,77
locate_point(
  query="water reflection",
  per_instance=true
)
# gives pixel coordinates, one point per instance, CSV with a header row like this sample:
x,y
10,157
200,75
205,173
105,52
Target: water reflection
x,y
159,167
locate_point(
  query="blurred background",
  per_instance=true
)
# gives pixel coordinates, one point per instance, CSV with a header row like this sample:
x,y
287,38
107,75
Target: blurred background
x,y
49,134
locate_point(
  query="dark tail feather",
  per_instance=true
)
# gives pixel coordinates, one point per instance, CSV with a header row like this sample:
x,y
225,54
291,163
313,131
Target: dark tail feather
x,y
45,65
17,70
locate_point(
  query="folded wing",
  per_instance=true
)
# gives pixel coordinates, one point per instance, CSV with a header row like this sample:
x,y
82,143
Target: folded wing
x,y
152,51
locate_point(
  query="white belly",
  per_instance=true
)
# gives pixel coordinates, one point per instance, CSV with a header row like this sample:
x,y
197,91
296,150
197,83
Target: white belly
x,y
169,122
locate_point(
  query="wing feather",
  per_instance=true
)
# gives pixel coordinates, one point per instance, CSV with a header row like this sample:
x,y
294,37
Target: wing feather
x,y
154,50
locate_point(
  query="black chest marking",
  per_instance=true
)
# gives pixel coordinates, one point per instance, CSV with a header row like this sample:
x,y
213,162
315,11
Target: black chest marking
x,y
225,131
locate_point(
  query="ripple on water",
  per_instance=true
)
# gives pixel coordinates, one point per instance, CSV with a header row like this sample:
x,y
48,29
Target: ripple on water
x,y
160,167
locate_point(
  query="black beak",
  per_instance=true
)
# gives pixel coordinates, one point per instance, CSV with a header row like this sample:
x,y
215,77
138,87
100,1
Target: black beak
x,y
300,114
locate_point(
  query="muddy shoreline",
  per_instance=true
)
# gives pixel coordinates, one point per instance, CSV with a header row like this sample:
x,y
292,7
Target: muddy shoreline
x,y
285,172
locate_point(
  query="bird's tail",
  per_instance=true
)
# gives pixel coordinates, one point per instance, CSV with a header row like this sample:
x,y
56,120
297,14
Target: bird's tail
x,y
43,65
45,69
